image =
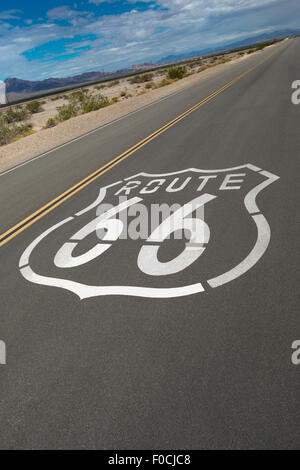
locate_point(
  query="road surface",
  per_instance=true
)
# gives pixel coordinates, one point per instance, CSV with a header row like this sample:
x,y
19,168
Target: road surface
x,y
160,343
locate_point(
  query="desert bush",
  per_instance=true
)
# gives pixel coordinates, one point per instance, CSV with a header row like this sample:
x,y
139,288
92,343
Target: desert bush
x,y
5,132
115,99
165,82
93,103
34,107
176,73
261,47
10,132
21,130
224,60
86,101
149,85
146,77
78,96
82,101
16,114
66,112
51,122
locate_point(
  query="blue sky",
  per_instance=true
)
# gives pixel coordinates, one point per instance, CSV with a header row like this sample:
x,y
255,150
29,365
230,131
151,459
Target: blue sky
x,y
59,38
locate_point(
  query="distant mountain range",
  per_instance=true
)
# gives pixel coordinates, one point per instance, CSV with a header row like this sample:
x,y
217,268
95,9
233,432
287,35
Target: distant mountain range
x,y
19,89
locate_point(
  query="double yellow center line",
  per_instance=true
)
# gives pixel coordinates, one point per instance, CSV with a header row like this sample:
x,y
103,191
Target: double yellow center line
x,y
50,206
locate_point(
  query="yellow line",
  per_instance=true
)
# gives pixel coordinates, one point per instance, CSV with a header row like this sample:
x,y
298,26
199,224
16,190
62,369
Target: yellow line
x,y
89,179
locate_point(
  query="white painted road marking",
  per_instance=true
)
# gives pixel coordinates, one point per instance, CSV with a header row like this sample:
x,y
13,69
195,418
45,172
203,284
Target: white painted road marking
x,y
147,260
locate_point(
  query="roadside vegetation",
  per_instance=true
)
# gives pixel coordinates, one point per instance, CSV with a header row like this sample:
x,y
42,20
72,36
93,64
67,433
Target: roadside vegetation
x,y
15,114
165,82
176,73
65,112
79,102
51,122
34,107
262,46
145,77
14,122
13,131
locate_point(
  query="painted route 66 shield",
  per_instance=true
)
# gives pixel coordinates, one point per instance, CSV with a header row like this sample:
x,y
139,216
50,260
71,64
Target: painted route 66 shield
x,y
157,235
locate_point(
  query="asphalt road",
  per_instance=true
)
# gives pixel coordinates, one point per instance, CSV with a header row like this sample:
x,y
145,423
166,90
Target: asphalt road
x,y
160,344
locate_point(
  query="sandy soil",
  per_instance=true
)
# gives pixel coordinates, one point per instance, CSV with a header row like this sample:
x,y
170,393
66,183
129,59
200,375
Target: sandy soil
x,y
136,97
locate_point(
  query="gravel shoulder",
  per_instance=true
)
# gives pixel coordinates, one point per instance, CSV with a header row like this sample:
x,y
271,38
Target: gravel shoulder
x,y
44,140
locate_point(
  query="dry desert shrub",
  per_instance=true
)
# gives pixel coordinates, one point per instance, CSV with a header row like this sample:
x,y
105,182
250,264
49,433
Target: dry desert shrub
x,y
10,132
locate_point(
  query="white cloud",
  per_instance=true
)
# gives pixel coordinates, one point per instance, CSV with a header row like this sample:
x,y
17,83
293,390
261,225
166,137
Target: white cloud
x,y
10,14
97,2
64,13
61,13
